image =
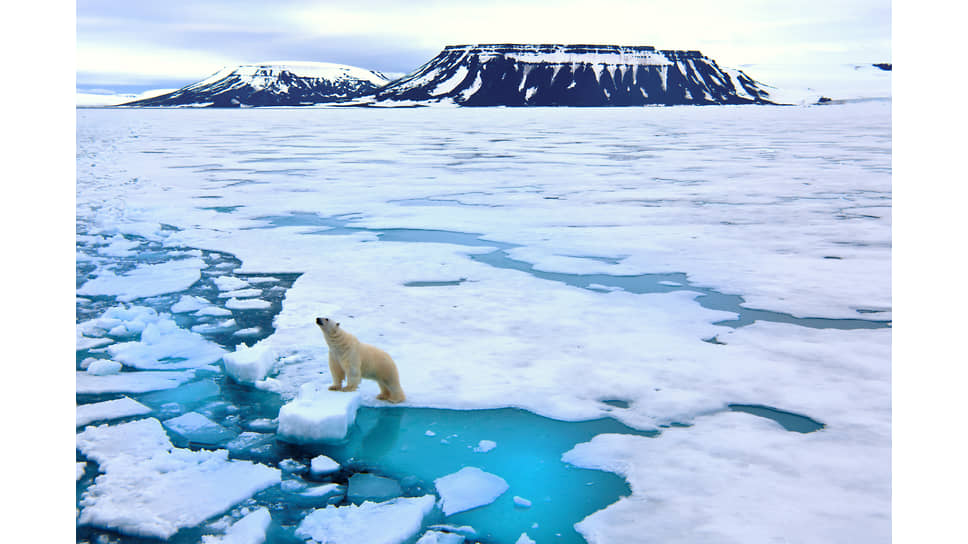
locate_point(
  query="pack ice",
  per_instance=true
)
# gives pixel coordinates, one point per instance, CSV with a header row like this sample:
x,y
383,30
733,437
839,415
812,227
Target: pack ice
x,y
148,487
318,415
391,522
469,487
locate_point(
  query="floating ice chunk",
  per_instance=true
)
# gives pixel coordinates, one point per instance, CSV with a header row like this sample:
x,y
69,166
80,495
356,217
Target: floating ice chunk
x,y
263,425
264,279
291,465
189,303
247,304
524,539
430,433
249,364
251,529
322,465
150,488
485,446
241,293
251,331
164,345
146,280
324,490
521,502
439,537
208,328
109,409
198,429
251,445
318,415
130,382
229,283
468,488
213,311
104,367
118,246
391,522
364,487
83,342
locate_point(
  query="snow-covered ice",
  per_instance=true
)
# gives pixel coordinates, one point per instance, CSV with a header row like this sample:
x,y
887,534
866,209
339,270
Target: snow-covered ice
x,y
165,345
249,364
104,367
130,382
109,409
440,537
485,446
146,280
251,529
199,429
468,488
788,208
322,465
391,522
318,415
150,488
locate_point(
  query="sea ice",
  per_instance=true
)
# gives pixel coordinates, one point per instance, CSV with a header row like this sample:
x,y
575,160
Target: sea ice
x,y
364,487
81,466
251,529
229,283
391,522
109,409
318,415
104,367
249,364
521,502
469,487
524,539
130,382
213,311
485,446
241,293
147,280
247,304
198,429
322,465
440,537
189,303
150,488
163,345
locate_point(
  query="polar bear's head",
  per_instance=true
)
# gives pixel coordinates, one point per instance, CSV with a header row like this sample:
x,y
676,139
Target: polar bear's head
x,y
328,325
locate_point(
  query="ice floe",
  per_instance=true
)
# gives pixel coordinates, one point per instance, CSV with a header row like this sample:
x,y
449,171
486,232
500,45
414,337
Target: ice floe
x,y
249,364
165,345
146,280
198,429
109,409
468,488
130,382
322,465
150,488
251,529
391,522
318,415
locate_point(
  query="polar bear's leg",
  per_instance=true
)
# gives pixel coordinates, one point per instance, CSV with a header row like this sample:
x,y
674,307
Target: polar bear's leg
x,y
337,373
353,373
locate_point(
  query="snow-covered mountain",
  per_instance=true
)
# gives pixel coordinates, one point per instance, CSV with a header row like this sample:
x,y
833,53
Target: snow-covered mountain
x,y
274,84
572,75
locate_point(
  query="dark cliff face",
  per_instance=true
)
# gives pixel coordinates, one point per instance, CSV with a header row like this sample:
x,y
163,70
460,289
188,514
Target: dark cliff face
x,y
273,85
573,75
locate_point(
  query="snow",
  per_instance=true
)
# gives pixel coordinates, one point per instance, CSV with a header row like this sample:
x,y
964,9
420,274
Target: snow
x,y
322,465
249,364
468,488
251,529
318,415
230,283
391,522
104,367
247,304
440,537
146,280
109,409
151,489
164,345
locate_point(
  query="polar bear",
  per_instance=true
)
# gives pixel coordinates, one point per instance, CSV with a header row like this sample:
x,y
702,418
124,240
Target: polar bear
x,y
351,359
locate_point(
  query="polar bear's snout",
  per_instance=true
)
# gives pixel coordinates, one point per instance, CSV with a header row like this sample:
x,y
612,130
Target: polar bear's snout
x,y
319,321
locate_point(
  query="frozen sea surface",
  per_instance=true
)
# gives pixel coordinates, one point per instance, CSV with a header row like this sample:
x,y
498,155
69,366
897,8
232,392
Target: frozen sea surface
x,y
708,279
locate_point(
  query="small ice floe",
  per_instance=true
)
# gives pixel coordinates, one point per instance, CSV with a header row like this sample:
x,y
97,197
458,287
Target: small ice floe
x,y
83,342
249,364
150,488
229,283
198,429
189,303
208,328
145,281
213,311
521,502
251,445
318,415
251,331
164,345
370,487
109,409
263,425
524,539
104,367
485,446
247,304
391,522
251,529
241,293
468,488
130,382
430,433
439,537
322,465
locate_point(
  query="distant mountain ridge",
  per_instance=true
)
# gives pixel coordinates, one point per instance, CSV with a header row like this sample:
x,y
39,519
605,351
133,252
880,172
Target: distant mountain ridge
x,y
273,84
572,75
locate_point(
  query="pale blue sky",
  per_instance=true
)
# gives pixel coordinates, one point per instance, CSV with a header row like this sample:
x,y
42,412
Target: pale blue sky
x,y
125,45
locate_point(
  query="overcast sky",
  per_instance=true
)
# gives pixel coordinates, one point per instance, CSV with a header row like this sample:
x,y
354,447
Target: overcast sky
x,y
125,44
